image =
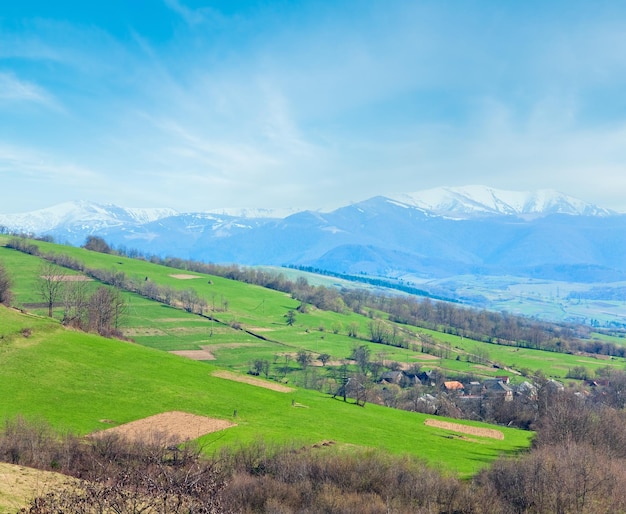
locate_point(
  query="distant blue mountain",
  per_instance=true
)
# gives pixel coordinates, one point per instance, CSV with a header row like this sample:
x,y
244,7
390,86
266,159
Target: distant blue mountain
x,y
433,234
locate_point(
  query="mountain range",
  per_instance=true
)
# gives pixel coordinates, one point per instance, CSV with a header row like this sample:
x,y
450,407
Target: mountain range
x,y
428,234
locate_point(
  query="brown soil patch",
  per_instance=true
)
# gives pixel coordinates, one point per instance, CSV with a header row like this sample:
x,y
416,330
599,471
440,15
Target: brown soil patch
x,y
465,429
168,427
20,485
196,355
483,367
219,346
67,278
183,276
228,375
206,352
144,332
181,320
426,357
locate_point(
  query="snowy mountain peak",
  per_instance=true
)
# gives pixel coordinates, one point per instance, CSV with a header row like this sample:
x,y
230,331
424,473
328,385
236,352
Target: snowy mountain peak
x,y
472,201
81,214
255,212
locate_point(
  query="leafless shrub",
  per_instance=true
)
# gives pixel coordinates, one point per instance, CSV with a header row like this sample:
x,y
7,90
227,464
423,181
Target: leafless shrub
x,y
564,478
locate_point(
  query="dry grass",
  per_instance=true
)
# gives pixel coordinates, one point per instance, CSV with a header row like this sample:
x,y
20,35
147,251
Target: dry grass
x,y
196,355
206,352
228,375
183,276
465,429
171,427
67,278
19,485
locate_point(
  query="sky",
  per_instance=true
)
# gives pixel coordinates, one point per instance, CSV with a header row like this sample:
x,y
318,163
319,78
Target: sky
x,y
200,105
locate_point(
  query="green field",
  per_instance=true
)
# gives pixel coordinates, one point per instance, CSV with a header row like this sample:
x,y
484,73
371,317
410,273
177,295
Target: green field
x,y
82,382
261,314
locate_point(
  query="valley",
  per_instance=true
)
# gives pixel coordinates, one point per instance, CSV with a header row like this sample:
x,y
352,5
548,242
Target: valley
x,y
262,363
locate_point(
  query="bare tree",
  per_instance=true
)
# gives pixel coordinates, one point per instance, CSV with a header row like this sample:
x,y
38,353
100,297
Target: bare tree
x,y
324,358
5,286
304,358
76,304
361,354
190,299
50,284
106,307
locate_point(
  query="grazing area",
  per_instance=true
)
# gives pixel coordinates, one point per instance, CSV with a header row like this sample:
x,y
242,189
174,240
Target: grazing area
x,y
82,382
260,390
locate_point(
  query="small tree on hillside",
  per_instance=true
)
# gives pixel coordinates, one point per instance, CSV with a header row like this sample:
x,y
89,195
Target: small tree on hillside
x,y
5,286
291,317
324,358
50,284
97,244
76,304
304,358
361,354
106,308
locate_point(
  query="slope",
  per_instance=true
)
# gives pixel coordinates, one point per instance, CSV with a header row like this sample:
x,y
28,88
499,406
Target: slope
x,y
82,382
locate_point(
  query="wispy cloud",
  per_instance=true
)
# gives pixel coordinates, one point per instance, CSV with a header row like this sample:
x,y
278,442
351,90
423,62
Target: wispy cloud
x,y
313,103
13,89
194,17
43,168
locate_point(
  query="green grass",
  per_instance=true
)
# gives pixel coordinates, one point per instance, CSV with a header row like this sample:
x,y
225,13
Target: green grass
x,y
75,380
552,364
263,311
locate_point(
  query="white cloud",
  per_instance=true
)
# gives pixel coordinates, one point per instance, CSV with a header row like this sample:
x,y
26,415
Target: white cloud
x,y
194,17
13,89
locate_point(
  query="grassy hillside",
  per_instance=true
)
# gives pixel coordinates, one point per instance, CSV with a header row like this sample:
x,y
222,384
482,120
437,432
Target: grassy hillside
x,y
261,313
19,485
82,382
266,335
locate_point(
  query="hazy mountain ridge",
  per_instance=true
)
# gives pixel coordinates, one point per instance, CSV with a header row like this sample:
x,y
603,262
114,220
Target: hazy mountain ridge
x,y
82,215
431,234
480,201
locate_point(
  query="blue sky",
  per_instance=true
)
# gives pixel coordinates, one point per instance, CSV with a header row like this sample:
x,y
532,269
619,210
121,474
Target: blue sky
x,y
198,105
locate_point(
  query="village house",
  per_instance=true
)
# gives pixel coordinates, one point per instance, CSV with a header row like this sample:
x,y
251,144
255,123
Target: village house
x,y
497,388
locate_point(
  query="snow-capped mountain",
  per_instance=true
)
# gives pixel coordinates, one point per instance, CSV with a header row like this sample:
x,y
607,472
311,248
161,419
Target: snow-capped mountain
x,y
472,201
81,216
255,212
430,234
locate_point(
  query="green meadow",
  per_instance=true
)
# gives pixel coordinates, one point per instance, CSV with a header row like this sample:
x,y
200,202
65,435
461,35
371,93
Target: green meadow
x,y
263,333
83,383
551,364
